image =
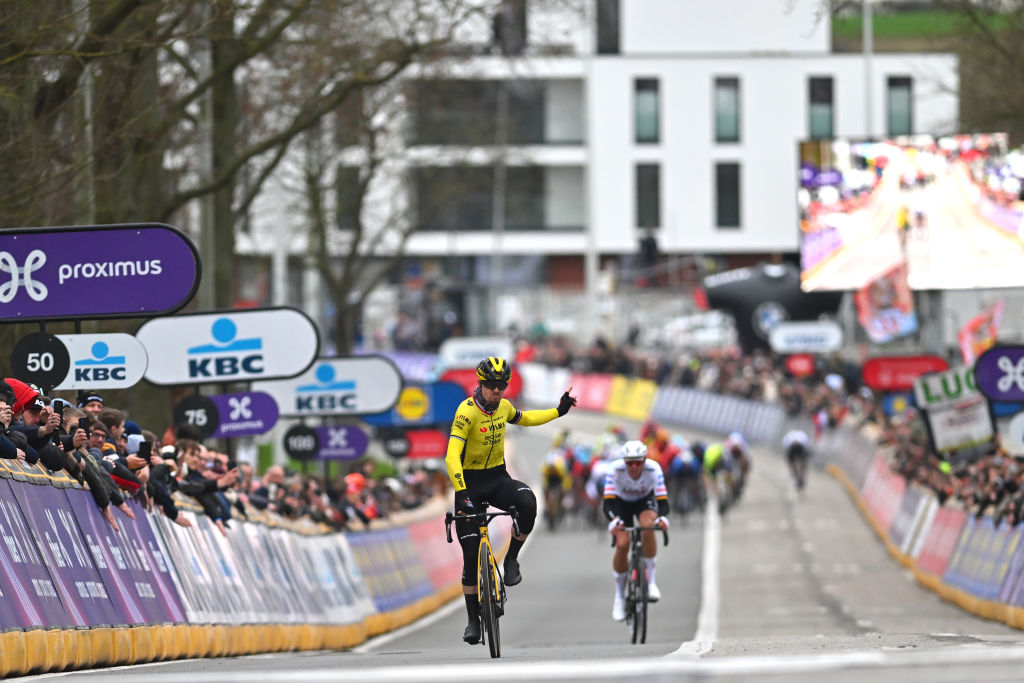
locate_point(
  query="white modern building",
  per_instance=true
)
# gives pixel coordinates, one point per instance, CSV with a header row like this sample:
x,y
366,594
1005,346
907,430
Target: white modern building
x,y
678,118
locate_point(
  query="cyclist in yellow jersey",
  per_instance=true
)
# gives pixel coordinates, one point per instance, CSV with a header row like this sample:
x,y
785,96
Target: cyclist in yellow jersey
x,y
476,466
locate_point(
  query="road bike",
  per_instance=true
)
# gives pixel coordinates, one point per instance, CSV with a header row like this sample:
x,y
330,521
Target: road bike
x,y
490,587
636,582
798,469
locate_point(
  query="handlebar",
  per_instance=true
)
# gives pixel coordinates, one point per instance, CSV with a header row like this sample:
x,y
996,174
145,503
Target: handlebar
x,y
664,532
485,516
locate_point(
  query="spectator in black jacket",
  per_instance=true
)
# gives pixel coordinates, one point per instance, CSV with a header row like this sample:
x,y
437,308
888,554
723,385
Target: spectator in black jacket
x,y
102,487
191,482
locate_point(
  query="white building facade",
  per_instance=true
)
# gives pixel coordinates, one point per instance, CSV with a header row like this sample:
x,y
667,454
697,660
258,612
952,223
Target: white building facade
x,y
678,118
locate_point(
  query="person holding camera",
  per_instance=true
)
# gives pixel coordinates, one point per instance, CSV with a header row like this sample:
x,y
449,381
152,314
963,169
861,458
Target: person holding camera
x,y
38,424
8,449
75,441
192,482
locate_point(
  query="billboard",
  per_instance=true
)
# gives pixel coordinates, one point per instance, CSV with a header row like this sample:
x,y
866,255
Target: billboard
x,y
229,346
349,385
948,207
130,270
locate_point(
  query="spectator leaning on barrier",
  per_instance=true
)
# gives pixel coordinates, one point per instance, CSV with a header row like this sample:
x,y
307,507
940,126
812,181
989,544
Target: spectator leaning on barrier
x,y
270,492
36,422
192,482
122,476
102,487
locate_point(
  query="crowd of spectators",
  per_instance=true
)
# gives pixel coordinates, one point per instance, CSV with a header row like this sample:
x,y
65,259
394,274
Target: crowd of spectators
x,y
986,480
117,461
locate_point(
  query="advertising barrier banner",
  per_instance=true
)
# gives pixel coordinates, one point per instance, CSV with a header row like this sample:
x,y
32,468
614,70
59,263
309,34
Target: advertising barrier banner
x,y
980,562
882,492
1012,592
593,392
443,561
387,560
905,514
42,598
29,591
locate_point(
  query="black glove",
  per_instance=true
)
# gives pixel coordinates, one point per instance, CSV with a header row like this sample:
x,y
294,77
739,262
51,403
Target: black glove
x,y
565,403
462,502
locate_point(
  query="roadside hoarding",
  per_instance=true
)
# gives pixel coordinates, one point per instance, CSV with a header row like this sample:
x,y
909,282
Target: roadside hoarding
x,y
350,385
96,271
245,414
422,404
820,336
229,346
957,414
103,361
897,373
1000,373
466,352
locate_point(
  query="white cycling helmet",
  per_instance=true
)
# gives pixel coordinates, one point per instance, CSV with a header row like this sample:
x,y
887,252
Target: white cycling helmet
x,y
736,440
634,450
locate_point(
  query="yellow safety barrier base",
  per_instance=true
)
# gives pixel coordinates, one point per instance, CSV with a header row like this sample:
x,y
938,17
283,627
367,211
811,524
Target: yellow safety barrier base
x,y
987,609
50,650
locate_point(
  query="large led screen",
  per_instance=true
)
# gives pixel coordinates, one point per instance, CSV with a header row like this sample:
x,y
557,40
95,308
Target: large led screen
x,y
947,208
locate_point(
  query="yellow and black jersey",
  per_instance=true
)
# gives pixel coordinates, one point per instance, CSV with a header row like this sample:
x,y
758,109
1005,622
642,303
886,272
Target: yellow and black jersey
x,y
477,440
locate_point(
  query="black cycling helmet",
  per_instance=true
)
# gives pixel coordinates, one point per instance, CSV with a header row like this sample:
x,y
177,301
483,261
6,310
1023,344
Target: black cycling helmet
x,y
493,369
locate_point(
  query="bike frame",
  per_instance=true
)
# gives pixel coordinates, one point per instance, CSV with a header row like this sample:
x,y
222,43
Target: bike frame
x,y
636,582
490,586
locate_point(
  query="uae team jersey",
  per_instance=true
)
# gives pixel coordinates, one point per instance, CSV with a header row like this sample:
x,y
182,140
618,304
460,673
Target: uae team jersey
x,y
619,484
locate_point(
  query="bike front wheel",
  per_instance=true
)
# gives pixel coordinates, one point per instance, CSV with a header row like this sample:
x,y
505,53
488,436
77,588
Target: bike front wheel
x,y
641,607
489,608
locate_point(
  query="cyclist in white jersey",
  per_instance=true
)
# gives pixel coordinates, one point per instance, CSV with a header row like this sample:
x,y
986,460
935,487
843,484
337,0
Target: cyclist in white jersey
x,y
797,446
634,487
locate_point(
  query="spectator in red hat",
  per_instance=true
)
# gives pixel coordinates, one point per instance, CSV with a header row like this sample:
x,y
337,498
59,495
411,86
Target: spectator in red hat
x,y
38,423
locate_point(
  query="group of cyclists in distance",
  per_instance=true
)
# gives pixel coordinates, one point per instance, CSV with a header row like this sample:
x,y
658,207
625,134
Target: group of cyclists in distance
x,y
613,483
574,471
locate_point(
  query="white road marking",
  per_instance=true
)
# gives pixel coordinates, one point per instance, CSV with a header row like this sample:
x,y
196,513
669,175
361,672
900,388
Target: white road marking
x,y
707,619
628,668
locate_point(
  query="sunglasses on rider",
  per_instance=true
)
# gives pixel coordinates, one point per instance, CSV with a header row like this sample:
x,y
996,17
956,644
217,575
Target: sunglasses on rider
x,y
495,386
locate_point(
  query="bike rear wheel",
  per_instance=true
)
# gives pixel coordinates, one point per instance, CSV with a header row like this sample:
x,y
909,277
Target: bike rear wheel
x,y
489,609
633,604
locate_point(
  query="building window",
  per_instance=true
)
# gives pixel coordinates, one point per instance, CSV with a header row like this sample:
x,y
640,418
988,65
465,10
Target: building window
x,y
900,106
348,197
820,116
349,120
607,27
509,26
727,195
648,195
646,106
462,112
727,110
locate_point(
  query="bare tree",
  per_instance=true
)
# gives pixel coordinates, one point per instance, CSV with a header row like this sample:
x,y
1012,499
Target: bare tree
x,y
990,44
170,85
